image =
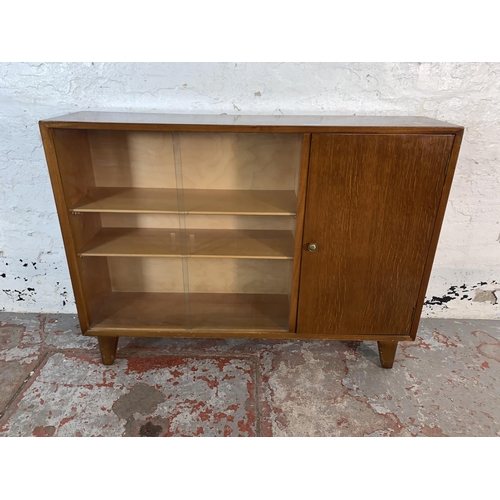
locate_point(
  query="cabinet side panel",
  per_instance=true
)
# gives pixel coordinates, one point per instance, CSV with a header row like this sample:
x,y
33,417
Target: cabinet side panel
x,y
437,229
75,171
96,284
371,206
67,189
75,164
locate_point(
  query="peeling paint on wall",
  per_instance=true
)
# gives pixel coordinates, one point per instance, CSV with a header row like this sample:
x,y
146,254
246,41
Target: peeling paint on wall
x,y
464,292
467,300
27,284
468,94
486,296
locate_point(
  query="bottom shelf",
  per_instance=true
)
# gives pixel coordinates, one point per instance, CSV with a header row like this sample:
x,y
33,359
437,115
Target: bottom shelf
x,y
140,312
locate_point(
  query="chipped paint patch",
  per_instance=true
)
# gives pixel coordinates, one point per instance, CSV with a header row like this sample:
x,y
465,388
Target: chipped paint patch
x,y
62,331
184,396
474,296
444,383
460,292
20,339
142,398
304,394
489,347
443,389
34,283
486,296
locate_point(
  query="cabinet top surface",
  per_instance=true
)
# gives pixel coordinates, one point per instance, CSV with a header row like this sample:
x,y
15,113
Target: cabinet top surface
x,y
298,123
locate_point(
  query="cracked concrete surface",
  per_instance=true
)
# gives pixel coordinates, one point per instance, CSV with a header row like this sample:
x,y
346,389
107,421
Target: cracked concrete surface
x,y
52,383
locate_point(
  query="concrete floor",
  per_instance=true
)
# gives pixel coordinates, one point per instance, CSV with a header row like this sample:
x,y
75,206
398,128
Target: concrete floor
x,y
52,383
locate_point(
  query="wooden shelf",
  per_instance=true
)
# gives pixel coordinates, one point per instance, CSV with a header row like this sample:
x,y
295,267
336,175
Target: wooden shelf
x,y
141,311
193,201
213,243
146,312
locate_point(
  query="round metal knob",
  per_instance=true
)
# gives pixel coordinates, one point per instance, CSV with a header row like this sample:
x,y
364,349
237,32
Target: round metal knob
x,y
312,247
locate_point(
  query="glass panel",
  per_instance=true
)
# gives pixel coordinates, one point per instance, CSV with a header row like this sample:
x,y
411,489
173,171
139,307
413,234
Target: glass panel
x,y
240,199
129,292
239,294
127,231
182,225
188,230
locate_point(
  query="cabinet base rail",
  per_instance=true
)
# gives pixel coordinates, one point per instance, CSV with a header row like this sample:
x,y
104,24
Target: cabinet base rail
x,y
108,347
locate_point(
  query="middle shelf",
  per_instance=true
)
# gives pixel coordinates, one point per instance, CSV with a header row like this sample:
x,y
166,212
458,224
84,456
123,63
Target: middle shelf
x,y
188,201
212,243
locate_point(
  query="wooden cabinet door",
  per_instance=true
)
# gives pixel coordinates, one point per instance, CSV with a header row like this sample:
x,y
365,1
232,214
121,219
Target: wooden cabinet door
x,y
371,206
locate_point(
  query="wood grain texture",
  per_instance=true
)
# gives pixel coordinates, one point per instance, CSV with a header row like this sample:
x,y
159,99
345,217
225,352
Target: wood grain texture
x,y
251,244
436,231
299,230
377,204
195,201
74,163
371,205
51,140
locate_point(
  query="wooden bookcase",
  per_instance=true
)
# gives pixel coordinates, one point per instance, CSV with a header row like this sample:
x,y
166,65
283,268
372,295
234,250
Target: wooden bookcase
x,y
303,227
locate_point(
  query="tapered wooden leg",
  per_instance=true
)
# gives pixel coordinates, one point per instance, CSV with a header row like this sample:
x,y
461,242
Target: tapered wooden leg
x,y
107,346
387,352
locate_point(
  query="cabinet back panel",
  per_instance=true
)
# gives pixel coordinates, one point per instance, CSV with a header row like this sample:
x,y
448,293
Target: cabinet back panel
x,y
198,221
150,274
84,227
371,207
94,273
239,276
132,159
240,161
75,164
146,274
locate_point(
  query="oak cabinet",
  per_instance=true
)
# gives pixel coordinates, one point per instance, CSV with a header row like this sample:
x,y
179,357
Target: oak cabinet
x,y
297,227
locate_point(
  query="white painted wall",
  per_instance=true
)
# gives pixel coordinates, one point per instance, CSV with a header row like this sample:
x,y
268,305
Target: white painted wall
x,y
33,271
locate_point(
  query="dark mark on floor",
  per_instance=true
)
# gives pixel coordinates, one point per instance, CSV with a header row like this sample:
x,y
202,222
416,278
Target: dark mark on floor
x,y
150,430
142,398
